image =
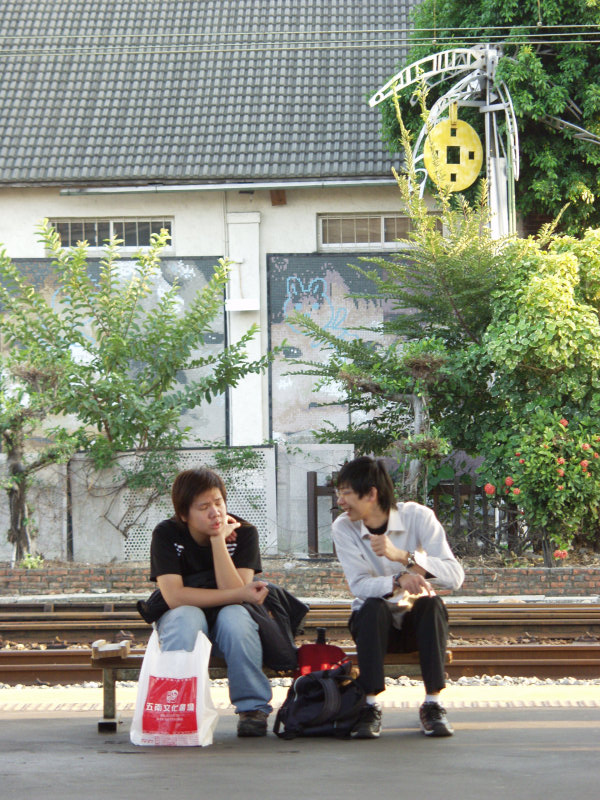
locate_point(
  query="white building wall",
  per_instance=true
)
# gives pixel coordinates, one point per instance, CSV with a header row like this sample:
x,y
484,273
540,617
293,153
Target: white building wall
x,y
243,226
200,216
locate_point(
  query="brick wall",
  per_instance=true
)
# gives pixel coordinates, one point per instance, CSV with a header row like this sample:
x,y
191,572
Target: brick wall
x,y
319,577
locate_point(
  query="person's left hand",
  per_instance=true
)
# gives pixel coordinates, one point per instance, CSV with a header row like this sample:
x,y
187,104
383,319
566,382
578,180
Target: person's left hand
x,y
231,526
415,584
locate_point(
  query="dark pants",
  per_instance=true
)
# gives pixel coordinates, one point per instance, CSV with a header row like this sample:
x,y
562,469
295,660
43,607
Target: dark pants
x,y
424,628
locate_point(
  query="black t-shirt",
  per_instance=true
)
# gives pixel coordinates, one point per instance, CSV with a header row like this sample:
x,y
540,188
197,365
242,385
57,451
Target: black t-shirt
x,y
174,552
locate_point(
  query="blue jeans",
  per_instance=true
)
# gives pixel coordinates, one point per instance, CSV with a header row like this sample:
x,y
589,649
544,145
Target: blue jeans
x,y
235,637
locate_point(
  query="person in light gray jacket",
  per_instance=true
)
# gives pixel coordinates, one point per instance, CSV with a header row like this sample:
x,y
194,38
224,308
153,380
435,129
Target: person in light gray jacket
x,y
394,555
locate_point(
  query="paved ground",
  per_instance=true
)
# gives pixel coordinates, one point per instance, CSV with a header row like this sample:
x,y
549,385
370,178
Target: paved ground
x,y
514,742
511,742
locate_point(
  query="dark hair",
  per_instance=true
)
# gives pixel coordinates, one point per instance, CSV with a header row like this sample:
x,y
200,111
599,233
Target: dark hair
x,y
189,484
365,473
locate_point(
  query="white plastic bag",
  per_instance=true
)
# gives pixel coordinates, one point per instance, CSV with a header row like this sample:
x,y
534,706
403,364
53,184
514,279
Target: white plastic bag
x,y
173,704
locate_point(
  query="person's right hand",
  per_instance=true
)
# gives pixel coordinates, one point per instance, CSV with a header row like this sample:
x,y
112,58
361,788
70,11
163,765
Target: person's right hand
x,y
254,592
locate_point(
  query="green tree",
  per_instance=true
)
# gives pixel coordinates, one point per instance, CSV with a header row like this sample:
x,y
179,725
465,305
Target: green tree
x,y
490,335
440,286
502,389
542,349
110,361
550,71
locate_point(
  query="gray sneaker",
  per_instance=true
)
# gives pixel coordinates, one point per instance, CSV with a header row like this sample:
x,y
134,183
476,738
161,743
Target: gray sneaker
x,y
368,725
434,721
252,723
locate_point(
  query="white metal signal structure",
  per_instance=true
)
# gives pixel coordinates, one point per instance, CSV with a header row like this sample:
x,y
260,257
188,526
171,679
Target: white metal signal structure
x,y
476,87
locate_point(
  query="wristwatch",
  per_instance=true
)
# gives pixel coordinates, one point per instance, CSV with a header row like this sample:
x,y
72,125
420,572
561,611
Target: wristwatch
x,y
410,562
397,579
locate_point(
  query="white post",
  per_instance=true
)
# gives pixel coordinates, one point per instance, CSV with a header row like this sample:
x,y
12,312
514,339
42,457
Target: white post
x,y
246,401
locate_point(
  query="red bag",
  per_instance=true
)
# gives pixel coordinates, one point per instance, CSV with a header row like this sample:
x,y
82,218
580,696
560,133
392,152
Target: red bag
x,y
319,656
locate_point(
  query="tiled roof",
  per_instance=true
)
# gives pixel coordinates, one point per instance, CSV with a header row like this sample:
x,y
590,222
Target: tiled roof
x,y
123,91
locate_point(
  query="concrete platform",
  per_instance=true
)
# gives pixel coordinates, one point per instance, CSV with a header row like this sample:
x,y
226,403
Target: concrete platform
x,y
524,742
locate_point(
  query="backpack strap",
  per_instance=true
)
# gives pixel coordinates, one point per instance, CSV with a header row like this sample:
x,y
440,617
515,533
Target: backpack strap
x,y
277,725
331,700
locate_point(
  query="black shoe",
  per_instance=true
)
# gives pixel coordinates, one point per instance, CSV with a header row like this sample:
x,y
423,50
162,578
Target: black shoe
x,y
368,725
252,723
434,721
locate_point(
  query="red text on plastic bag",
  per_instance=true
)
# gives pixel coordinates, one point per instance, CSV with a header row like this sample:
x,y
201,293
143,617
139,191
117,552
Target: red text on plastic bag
x,y
170,706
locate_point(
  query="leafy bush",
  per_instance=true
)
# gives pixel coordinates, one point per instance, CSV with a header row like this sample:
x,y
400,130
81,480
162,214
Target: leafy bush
x,y
549,467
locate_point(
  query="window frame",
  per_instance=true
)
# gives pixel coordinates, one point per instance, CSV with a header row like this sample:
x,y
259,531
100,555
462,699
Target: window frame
x,y
380,244
113,221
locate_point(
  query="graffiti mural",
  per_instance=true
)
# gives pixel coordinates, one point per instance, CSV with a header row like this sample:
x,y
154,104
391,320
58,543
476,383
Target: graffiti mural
x,y
319,286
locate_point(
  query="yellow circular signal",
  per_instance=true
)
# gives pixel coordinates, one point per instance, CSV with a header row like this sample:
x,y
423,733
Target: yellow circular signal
x,y
453,154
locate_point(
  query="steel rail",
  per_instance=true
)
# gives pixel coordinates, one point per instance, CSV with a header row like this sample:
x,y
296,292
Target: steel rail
x,y
577,660
50,623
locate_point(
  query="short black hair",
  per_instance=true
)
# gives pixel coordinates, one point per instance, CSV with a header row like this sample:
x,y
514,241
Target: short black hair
x,y
365,473
189,484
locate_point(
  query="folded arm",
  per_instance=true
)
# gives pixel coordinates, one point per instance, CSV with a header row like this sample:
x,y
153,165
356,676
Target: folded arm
x,y
176,594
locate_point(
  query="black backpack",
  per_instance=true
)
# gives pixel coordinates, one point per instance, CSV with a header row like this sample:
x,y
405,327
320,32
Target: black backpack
x,y
323,703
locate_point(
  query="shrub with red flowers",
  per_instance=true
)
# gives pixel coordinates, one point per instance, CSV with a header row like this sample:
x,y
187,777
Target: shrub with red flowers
x,y
548,468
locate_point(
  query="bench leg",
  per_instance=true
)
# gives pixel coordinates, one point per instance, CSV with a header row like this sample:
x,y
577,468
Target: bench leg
x,y
108,723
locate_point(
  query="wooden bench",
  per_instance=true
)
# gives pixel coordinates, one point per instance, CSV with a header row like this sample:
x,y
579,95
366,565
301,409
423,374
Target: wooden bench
x,y
119,663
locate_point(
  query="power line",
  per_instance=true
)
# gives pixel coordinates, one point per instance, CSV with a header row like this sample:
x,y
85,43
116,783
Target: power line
x,y
266,48
318,32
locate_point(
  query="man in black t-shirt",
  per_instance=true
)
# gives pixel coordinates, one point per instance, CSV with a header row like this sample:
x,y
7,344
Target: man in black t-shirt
x,y
221,552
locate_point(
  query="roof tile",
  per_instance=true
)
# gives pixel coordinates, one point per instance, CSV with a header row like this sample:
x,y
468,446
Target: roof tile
x,y
243,89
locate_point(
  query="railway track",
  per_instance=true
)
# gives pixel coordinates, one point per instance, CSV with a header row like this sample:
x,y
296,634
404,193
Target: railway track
x,y
53,626
577,660
66,624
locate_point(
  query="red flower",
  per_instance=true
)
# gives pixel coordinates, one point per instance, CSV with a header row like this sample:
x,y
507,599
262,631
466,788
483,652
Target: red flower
x,y
585,446
517,454
584,464
596,455
508,481
489,489
560,460
560,554
561,472
564,422
560,486
521,461
516,491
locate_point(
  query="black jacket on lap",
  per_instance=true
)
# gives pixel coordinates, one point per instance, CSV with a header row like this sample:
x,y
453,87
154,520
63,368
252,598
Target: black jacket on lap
x,y
278,618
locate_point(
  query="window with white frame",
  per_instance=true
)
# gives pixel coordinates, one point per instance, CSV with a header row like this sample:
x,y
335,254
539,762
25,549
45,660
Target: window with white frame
x,y
361,231
134,232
